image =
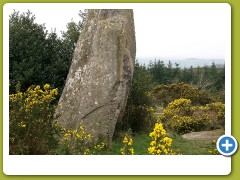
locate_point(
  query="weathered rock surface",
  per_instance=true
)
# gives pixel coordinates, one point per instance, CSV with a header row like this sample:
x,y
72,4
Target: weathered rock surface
x,y
99,80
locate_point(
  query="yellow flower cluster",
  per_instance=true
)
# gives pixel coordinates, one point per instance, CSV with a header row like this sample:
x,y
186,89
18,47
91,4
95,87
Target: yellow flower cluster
x,y
75,134
22,124
34,97
77,141
160,142
158,131
100,146
127,148
218,108
179,103
214,151
31,120
181,117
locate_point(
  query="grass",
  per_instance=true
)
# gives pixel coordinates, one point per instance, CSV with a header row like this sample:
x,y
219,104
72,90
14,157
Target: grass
x,y
191,147
142,140
140,144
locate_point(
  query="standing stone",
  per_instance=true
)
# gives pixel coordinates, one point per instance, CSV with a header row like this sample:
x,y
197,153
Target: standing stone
x,y
99,80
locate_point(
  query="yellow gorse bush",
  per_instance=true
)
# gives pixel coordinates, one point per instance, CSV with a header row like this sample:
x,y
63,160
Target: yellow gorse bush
x,y
160,143
178,103
164,94
32,127
127,148
78,142
181,117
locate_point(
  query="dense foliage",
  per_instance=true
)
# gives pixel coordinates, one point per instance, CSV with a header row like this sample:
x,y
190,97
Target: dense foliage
x,y
164,94
210,78
37,57
32,125
182,117
138,111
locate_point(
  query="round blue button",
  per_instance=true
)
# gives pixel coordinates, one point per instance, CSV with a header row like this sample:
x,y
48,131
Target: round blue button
x,y
227,145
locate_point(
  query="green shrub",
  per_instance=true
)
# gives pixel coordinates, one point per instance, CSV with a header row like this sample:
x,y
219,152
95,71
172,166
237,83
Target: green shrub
x,y
164,94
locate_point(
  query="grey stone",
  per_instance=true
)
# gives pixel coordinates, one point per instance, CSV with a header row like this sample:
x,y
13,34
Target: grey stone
x,y
99,80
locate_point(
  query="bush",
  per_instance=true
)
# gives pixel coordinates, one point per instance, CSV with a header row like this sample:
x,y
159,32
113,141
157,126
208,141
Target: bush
x,y
31,122
219,108
181,117
186,124
164,94
215,112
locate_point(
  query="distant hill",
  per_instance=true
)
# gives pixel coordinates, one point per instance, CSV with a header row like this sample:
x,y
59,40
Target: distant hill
x,y
194,62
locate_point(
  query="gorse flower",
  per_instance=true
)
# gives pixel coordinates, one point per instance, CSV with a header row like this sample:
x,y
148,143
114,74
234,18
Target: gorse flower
x,y
32,125
160,142
158,131
127,148
167,141
78,142
125,140
130,142
46,86
181,117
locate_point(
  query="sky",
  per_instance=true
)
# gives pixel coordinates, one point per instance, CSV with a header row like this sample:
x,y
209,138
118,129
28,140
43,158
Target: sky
x,y
174,31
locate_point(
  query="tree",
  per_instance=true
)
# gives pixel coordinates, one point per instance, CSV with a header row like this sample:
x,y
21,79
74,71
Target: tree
x,y
27,47
38,57
138,102
157,70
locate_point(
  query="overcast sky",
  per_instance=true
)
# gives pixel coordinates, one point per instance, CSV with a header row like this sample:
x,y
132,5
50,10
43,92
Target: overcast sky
x,y
162,30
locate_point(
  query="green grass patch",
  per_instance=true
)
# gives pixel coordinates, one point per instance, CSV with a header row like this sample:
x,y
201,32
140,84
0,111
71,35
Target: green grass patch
x,y
142,140
191,147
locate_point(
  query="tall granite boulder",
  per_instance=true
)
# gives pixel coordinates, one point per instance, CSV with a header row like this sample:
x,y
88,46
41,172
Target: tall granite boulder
x,y
99,80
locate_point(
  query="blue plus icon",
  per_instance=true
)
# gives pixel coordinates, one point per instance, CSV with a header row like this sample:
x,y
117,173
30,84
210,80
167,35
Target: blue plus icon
x,y
227,145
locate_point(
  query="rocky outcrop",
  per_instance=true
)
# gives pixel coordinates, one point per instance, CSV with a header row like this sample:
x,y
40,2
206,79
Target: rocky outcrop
x,y
99,80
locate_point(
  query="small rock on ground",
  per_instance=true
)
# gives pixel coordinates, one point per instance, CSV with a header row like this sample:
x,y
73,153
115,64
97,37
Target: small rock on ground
x,y
203,135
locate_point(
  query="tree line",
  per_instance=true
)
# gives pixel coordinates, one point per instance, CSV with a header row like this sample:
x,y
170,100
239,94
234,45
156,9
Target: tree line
x,y
38,57
210,78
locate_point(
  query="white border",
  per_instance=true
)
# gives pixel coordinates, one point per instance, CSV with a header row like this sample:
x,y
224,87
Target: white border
x,y
117,165
114,164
